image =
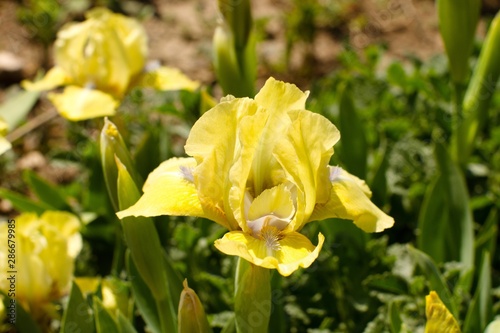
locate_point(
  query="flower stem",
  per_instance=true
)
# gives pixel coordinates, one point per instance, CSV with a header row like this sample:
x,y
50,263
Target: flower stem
x,y
252,304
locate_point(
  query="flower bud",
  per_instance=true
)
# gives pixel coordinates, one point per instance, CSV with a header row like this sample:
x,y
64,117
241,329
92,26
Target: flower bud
x,y
191,316
112,145
480,90
234,49
457,24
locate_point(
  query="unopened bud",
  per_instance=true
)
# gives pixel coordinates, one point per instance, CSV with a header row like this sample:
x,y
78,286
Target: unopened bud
x,y
191,316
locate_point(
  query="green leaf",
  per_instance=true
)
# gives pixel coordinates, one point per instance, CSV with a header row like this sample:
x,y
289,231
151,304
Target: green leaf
x,y
480,311
103,319
252,299
124,325
145,301
23,203
433,221
460,227
78,315
45,191
436,280
486,239
173,278
387,283
16,108
23,321
378,184
395,318
354,147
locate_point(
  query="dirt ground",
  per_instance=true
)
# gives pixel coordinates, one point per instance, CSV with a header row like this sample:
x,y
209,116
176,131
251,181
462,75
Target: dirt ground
x,y
180,35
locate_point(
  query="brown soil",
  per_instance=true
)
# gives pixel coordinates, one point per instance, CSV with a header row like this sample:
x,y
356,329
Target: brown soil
x,y
180,35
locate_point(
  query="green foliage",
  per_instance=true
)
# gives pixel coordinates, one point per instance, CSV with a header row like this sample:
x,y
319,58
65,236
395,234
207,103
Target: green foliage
x,y
396,126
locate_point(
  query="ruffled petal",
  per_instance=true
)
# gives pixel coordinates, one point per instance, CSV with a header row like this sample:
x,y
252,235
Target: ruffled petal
x,y
76,103
93,53
349,200
278,96
294,250
304,155
215,151
167,78
54,78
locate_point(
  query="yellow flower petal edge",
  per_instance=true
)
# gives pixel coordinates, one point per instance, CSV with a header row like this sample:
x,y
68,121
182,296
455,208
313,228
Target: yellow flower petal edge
x,y
54,78
294,250
167,78
76,103
349,200
279,96
439,319
170,190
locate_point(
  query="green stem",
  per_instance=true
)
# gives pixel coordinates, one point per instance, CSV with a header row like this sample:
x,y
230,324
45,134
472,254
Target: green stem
x,y
252,305
457,119
118,262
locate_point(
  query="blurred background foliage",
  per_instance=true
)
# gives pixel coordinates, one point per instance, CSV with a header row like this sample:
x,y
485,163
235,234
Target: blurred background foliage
x,y
391,113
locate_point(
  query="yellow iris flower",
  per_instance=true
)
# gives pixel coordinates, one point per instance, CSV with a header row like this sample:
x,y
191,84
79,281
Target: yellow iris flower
x,y
98,61
439,318
45,251
259,167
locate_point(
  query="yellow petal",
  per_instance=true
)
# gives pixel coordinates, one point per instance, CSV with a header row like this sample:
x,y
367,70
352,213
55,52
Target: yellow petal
x,y
169,190
54,78
349,201
92,53
65,225
134,39
76,103
278,96
4,145
439,319
215,151
304,155
274,201
294,250
167,78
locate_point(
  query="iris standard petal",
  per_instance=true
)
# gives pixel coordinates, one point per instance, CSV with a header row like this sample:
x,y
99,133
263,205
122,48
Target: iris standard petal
x,y
55,77
215,151
134,39
304,155
167,78
349,200
278,96
76,103
294,250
